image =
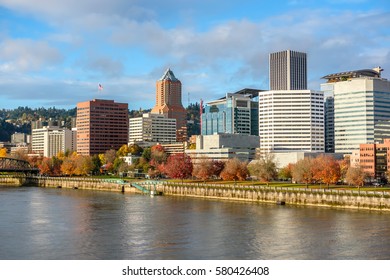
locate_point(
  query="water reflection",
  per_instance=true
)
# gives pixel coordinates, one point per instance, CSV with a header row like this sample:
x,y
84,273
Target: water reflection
x,y
37,223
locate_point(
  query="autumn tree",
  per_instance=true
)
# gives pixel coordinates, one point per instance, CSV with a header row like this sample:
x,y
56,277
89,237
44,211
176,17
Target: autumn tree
x,y
203,169
264,168
218,166
110,156
326,169
123,151
285,173
356,176
84,165
69,165
50,166
3,152
20,154
135,149
234,170
178,166
303,171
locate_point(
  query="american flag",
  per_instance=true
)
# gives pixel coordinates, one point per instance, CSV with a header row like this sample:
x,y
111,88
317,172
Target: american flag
x,y
100,87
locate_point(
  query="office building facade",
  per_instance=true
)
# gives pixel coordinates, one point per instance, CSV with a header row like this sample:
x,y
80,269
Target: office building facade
x,y
291,120
235,113
101,125
48,141
288,70
361,108
151,129
168,103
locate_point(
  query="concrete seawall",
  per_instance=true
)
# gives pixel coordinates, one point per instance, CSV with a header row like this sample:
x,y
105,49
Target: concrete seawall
x,y
313,197
68,183
372,200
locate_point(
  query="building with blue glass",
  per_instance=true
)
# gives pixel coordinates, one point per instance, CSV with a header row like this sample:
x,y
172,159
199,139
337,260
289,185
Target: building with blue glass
x,y
236,113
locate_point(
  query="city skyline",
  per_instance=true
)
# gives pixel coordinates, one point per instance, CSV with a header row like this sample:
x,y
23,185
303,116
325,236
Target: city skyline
x,y
54,53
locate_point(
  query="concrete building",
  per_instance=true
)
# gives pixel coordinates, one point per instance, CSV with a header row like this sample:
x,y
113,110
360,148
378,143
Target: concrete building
x,y
361,108
101,125
224,147
20,138
50,140
235,113
291,120
288,70
375,159
151,129
168,103
283,159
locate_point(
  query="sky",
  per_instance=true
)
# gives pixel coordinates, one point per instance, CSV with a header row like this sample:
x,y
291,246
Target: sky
x,y
54,53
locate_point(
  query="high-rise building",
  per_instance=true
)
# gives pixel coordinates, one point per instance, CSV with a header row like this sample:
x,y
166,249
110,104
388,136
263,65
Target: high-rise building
x,y
168,103
287,70
151,129
361,108
291,120
50,140
329,124
235,113
101,125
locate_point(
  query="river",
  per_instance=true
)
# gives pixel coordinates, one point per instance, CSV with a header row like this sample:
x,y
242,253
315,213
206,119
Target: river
x,y
66,224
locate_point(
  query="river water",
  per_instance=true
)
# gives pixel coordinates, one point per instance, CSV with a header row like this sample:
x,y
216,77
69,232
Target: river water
x,y
38,223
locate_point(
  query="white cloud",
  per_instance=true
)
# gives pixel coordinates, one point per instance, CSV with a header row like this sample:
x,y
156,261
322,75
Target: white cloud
x,y
27,55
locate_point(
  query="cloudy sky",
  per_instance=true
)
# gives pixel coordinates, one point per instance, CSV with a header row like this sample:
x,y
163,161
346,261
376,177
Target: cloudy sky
x,y
56,52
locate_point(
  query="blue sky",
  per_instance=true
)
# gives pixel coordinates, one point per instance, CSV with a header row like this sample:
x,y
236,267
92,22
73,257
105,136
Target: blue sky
x,y
55,52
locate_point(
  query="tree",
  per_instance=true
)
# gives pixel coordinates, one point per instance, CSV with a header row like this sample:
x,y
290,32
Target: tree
x,y
218,166
303,171
234,170
110,156
50,166
264,168
84,165
69,165
96,164
326,169
123,151
135,150
3,152
286,172
204,169
20,154
158,156
178,166
356,176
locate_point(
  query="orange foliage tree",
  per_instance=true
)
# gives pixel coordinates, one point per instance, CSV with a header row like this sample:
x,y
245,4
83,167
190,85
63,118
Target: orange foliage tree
x,y
326,169
235,170
303,171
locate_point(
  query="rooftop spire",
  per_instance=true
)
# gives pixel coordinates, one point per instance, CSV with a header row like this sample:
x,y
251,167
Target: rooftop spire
x,y
168,75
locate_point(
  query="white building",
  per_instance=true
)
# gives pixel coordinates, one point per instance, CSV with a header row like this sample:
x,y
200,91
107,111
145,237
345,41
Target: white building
x,y
361,108
151,129
291,120
224,147
50,140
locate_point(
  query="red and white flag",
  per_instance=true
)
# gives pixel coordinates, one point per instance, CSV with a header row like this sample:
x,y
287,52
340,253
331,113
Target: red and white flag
x,y
100,87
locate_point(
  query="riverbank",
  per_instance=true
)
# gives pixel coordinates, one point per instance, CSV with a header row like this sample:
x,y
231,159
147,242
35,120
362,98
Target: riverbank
x,y
352,199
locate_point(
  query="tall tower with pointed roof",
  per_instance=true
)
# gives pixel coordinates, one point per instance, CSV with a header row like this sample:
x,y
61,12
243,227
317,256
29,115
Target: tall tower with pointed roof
x,y
168,103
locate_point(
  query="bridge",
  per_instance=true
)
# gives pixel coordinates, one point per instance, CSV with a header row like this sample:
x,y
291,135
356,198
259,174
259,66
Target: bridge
x,y
16,166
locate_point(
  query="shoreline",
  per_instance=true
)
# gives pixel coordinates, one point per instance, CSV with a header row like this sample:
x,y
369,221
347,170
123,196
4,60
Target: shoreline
x,y
363,200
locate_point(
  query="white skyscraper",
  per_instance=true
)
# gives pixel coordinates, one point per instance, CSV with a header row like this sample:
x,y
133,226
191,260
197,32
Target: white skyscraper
x,y
50,140
361,108
291,120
